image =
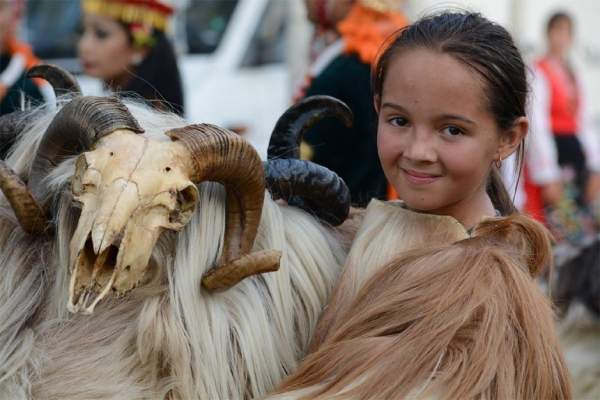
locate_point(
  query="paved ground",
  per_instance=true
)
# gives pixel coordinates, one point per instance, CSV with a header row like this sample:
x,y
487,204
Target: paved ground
x,y
580,336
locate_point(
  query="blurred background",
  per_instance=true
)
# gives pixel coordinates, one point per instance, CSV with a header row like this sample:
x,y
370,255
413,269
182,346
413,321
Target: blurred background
x,y
241,60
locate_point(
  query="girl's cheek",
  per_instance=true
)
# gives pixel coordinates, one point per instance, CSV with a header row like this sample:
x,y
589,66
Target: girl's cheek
x,y
388,142
381,145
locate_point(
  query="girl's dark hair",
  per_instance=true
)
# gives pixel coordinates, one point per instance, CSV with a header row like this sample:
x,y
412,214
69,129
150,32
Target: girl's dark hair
x,y
156,79
556,18
483,46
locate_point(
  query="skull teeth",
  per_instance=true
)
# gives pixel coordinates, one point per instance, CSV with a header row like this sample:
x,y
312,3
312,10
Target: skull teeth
x,y
88,299
93,276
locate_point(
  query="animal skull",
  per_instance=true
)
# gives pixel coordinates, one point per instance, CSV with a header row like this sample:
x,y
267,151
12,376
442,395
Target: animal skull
x,y
131,188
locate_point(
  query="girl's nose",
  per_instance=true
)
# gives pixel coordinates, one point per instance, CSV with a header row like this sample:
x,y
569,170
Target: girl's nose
x,y
83,45
421,147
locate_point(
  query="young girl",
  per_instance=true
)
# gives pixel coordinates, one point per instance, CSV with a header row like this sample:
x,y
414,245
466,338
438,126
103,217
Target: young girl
x,y
438,298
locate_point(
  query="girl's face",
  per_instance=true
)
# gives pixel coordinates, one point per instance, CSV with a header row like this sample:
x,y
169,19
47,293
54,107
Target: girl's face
x,y
436,139
104,49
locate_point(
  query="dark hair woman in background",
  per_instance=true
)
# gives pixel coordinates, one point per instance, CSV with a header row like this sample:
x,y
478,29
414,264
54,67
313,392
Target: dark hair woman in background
x,y
124,44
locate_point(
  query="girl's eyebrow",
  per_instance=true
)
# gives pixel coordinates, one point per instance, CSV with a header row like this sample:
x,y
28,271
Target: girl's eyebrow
x,y
398,107
395,106
457,117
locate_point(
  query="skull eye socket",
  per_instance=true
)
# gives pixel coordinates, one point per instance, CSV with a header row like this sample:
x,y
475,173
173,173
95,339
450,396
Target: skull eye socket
x,y
81,165
187,197
185,203
84,178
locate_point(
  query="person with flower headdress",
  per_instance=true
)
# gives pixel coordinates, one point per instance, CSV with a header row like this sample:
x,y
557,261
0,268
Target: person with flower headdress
x,y
343,70
16,90
124,44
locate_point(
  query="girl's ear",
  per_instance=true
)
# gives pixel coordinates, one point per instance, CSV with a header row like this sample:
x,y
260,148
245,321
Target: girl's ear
x,y
512,138
376,103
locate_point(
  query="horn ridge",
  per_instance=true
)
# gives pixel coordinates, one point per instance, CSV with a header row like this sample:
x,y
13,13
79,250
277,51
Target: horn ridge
x,y
74,129
29,214
220,155
309,186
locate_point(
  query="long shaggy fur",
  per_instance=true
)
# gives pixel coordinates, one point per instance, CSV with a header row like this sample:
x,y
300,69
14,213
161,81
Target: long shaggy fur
x,y
168,339
446,316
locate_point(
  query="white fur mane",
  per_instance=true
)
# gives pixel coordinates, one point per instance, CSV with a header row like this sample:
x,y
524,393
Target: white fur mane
x,y
168,339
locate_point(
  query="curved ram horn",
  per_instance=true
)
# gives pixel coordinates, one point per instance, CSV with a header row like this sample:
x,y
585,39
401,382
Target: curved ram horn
x,y
12,124
222,156
28,212
74,129
61,80
309,186
291,126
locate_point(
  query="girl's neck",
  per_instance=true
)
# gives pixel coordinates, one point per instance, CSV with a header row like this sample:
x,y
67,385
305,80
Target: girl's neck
x,y
469,212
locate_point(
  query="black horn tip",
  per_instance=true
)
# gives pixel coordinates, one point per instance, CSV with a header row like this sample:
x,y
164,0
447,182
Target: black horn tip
x,y
299,118
61,80
335,107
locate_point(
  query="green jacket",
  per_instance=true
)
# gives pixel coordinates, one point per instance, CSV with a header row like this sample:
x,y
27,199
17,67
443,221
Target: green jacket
x,y
351,153
23,86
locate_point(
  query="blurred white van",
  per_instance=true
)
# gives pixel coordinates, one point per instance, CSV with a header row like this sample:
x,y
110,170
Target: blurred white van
x,y
232,58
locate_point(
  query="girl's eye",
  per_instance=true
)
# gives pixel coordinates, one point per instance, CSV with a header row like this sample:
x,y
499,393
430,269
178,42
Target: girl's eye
x,y
452,131
101,33
398,121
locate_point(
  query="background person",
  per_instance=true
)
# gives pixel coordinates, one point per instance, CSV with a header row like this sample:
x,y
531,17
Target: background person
x,y
343,70
563,169
125,45
16,90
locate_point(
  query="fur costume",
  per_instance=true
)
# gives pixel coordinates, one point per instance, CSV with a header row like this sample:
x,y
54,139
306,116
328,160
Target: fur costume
x,y
426,310
170,337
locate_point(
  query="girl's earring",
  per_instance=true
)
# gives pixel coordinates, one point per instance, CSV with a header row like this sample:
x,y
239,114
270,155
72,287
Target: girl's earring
x,y
136,59
498,163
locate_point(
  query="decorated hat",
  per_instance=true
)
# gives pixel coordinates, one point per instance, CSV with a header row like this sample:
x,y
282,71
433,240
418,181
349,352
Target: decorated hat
x,y
382,5
147,13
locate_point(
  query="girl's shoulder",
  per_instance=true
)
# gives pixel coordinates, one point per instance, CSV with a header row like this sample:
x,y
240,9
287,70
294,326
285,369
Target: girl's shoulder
x,y
395,218
387,229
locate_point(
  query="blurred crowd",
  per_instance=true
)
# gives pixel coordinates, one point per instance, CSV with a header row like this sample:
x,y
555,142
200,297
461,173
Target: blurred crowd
x,y
126,44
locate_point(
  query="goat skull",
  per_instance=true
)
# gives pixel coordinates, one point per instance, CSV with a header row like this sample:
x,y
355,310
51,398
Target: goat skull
x,y
131,189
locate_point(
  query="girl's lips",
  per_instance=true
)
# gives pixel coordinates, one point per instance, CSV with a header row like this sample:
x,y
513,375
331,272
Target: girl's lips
x,y
419,178
87,65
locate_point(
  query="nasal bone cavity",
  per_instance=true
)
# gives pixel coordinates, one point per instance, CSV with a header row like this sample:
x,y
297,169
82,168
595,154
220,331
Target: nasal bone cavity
x,y
116,211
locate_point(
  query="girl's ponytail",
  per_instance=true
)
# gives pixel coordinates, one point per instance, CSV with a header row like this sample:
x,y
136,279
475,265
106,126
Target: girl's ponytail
x,y
499,195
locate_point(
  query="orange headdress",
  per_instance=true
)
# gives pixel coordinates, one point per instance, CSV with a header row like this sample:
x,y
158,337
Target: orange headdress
x,y
368,24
